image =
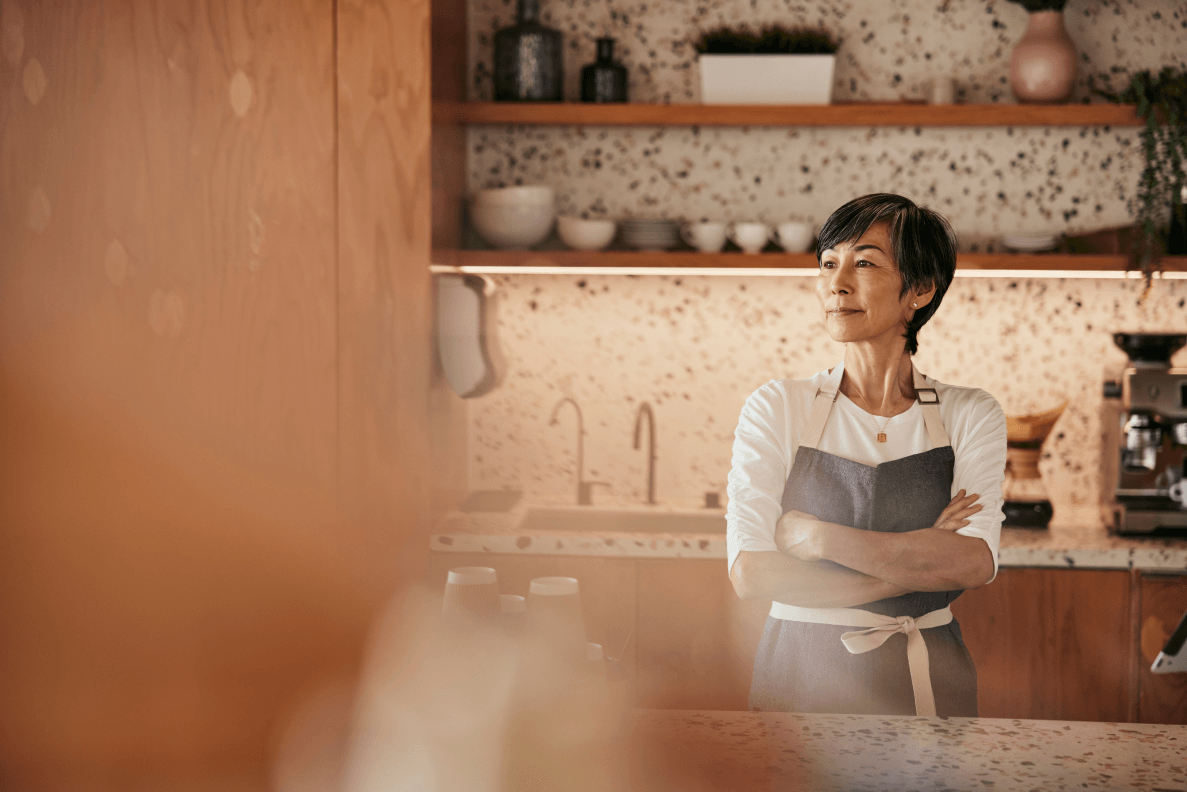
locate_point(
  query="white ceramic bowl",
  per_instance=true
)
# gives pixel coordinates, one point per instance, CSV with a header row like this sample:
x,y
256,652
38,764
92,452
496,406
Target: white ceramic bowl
x,y
581,234
512,225
524,195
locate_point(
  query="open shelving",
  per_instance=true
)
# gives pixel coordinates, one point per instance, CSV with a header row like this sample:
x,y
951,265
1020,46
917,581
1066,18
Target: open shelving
x,y
854,114
460,114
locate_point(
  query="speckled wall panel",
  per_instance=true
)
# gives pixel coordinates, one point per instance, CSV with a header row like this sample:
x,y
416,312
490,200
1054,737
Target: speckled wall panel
x,y
889,51
986,180
696,347
989,180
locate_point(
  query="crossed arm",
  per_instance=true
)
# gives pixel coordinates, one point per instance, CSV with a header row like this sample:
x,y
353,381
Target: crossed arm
x,y
822,565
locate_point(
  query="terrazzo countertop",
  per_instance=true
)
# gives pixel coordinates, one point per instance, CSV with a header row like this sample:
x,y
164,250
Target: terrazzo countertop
x,y
1074,542
778,750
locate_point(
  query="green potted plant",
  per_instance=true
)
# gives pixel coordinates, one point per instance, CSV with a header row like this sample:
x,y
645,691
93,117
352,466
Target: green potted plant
x,y
776,65
1157,206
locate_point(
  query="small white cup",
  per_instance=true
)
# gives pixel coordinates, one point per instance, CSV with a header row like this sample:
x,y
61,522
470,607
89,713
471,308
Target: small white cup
x,y
751,237
707,236
793,236
943,91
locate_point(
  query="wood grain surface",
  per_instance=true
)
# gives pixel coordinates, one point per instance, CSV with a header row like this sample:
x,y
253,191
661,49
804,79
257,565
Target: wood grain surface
x,y
213,287
857,114
384,287
1050,644
1163,697
448,412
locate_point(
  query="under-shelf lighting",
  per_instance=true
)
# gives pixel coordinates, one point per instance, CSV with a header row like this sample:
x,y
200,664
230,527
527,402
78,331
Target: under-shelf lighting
x,y
773,272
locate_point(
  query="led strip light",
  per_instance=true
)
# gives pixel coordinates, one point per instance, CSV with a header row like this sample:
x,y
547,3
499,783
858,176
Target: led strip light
x,y
773,272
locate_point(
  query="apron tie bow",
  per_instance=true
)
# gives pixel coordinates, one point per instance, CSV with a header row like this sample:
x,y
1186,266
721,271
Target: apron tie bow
x,y
880,628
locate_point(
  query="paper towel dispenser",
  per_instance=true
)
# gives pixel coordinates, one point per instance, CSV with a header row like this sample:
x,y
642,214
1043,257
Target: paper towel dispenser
x,y
465,323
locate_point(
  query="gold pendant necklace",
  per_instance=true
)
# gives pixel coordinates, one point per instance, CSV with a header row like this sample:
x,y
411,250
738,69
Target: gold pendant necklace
x,y
882,428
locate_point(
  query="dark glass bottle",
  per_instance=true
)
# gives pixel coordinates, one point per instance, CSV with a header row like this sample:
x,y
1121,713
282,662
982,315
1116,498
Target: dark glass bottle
x,y
528,62
604,80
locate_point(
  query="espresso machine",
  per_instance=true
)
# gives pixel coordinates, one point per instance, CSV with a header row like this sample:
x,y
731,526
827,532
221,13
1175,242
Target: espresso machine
x,y
1144,432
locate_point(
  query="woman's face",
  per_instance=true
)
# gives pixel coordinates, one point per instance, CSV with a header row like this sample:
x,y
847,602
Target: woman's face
x,y
858,287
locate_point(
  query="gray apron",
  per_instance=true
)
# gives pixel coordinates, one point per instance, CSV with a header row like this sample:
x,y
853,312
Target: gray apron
x,y
804,666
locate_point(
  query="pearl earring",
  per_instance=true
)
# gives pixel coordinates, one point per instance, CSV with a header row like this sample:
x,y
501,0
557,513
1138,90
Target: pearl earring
x,y
914,305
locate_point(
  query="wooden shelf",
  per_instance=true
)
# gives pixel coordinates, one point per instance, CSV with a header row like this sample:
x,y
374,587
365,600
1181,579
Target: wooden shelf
x,y
477,260
858,114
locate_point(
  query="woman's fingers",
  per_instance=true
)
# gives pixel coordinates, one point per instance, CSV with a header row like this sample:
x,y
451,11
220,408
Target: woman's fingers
x,y
958,505
955,515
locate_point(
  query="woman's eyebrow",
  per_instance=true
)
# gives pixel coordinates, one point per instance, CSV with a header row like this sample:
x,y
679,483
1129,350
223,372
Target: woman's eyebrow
x,y
869,247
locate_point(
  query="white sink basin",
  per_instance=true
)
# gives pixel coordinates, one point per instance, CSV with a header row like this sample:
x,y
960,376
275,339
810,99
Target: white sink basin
x,y
642,520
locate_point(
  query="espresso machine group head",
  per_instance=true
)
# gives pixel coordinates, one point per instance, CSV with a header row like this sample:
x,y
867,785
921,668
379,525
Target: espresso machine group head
x,y
1144,458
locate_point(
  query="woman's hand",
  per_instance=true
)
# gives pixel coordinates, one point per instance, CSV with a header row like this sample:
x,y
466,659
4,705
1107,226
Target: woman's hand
x,y
956,513
798,535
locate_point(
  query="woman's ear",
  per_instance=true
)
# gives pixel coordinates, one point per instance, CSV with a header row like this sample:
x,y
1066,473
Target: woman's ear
x,y
923,296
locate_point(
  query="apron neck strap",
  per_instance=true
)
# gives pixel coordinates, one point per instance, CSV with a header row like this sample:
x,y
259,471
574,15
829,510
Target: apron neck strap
x,y
822,405
929,400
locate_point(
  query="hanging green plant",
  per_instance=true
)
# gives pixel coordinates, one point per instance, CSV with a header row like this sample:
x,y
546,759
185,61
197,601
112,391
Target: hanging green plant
x,y
1162,104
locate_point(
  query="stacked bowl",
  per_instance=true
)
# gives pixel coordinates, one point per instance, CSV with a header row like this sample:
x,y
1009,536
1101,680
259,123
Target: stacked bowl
x,y
514,217
582,234
644,233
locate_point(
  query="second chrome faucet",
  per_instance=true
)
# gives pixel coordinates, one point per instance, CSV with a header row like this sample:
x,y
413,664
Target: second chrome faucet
x,y
645,409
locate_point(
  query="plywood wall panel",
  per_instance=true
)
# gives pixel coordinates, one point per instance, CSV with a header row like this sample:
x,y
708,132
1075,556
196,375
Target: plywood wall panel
x,y
172,191
171,570
384,186
450,416
449,137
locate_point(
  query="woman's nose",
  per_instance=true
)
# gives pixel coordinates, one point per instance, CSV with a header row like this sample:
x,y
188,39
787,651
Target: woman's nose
x,y
840,281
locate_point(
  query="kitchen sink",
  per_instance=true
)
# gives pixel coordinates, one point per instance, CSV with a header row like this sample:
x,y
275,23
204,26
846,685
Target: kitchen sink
x,y
641,520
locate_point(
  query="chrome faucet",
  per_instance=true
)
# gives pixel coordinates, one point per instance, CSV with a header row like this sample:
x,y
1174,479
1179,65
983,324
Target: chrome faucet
x,y
645,409
584,488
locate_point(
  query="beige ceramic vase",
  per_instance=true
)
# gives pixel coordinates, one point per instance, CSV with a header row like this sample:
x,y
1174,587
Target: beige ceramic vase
x,y
1043,66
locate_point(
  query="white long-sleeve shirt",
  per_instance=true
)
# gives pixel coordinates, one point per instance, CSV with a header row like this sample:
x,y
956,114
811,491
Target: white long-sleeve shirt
x,y
768,436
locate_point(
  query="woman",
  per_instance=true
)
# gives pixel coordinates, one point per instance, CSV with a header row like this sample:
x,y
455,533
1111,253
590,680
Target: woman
x,y
863,500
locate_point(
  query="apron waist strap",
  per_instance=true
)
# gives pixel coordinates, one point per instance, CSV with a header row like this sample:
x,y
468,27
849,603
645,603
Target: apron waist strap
x,y
879,628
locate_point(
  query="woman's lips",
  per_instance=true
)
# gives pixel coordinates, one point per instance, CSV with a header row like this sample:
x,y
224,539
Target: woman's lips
x,y
843,312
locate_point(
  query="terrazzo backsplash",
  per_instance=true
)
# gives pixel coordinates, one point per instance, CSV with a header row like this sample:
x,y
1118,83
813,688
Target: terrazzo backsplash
x,y
695,347
987,180
889,51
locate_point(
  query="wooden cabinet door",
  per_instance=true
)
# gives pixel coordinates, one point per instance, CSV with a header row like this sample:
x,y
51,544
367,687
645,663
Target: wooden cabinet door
x,y
696,638
1163,697
607,591
1051,644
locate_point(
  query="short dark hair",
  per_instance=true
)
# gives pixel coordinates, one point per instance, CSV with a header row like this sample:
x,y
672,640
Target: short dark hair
x,y
923,245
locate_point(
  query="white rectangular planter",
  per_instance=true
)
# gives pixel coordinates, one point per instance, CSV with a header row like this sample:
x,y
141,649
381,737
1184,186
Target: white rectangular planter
x,y
766,79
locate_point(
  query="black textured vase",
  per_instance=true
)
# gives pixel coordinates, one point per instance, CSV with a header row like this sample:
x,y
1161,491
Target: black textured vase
x,y
604,80
528,62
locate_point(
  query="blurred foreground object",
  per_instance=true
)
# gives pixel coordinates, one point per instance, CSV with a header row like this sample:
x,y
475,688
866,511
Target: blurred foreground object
x,y
449,705
446,705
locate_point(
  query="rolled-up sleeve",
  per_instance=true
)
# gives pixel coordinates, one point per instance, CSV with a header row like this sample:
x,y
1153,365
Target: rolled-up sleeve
x,y
758,473
981,468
